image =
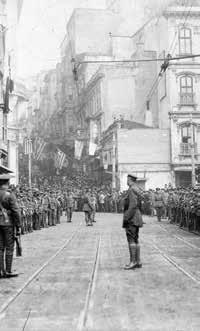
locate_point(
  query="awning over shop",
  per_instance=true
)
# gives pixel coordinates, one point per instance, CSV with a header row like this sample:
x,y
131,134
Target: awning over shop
x,y
4,170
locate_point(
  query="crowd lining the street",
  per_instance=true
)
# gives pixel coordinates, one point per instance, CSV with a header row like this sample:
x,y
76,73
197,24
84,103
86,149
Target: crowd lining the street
x,y
43,205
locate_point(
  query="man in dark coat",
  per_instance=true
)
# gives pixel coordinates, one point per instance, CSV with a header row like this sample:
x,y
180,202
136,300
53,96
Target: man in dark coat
x,y
10,225
132,222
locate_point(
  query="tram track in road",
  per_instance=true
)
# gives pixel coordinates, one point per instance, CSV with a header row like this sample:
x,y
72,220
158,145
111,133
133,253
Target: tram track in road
x,y
180,238
170,260
83,318
13,298
176,265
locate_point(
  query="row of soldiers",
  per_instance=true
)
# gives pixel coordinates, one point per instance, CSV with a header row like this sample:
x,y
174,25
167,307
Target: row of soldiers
x,y
183,208
180,205
39,209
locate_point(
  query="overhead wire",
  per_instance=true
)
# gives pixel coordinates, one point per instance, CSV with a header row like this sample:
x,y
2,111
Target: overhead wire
x,y
172,46
159,77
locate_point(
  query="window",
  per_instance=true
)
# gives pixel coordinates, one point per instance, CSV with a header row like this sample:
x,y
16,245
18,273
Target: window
x,y
186,134
185,41
186,90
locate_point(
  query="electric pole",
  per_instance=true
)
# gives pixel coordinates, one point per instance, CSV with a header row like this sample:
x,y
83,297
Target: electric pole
x,y
114,162
192,153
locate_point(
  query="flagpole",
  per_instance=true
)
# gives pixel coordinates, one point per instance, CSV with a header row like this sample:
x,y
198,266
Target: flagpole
x,y
29,170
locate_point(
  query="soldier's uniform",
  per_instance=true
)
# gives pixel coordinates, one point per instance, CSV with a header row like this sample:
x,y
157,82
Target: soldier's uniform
x,y
45,207
87,208
9,221
53,206
197,213
159,204
30,214
69,205
132,221
40,212
93,203
58,211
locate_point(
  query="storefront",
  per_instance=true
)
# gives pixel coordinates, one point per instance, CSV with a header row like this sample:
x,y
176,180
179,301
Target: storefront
x,y
183,178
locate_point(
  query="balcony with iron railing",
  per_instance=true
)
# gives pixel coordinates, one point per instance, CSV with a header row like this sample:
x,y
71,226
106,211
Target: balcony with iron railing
x,y
187,99
186,149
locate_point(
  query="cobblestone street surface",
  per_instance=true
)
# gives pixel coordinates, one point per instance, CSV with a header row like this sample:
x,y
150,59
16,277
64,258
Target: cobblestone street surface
x,y
72,278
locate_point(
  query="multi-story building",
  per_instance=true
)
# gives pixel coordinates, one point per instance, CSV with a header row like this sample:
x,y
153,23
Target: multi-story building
x,y
10,11
164,102
176,32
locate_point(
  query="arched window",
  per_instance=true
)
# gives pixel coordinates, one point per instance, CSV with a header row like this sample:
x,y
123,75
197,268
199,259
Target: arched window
x,y
185,41
186,90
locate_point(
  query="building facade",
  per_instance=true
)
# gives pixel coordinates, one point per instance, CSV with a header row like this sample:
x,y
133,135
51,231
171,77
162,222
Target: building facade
x,y
10,11
92,87
176,31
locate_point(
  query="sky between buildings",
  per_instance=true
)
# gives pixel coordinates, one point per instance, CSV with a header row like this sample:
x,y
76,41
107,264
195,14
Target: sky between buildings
x,y
42,28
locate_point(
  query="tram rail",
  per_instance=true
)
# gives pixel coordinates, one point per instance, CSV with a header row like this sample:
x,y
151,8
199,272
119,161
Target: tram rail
x,y
12,299
179,238
91,287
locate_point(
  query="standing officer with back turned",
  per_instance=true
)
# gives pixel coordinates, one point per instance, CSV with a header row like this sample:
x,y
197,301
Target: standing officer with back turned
x,y
9,226
132,222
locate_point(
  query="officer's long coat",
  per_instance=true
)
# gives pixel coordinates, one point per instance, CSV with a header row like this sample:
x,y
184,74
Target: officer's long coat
x,y
132,214
9,202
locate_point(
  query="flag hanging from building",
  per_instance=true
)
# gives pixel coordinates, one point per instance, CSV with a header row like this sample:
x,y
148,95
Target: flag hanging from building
x,y
78,149
59,159
39,145
92,148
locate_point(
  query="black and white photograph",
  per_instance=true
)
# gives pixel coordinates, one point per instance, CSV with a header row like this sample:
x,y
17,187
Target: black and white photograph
x,y
99,165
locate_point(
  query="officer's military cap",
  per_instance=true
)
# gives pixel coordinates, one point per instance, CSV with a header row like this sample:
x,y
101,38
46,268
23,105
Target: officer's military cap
x,y
134,178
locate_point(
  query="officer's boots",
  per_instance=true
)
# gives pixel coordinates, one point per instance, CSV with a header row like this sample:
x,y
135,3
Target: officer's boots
x,y
133,263
9,260
2,269
130,254
139,264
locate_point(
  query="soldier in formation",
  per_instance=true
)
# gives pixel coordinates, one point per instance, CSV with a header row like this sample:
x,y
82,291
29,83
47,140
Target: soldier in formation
x,y
183,208
69,203
180,206
38,209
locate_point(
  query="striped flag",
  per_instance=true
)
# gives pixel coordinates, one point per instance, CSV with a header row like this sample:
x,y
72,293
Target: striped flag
x,y
59,159
28,146
78,149
39,145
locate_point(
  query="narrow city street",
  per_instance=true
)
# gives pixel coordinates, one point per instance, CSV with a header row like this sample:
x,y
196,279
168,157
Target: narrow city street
x,y
72,278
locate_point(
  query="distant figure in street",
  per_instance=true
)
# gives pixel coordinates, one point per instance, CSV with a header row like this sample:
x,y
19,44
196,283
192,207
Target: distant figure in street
x,y
87,208
69,202
132,222
10,226
102,202
93,203
159,204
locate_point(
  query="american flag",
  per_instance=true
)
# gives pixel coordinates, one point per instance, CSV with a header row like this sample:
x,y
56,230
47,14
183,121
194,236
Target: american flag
x,y
59,159
39,145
